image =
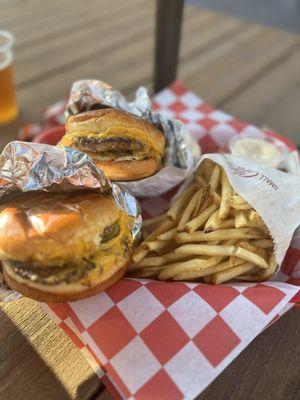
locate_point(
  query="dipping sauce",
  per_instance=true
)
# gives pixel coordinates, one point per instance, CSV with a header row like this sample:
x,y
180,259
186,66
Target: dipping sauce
x,y
261,150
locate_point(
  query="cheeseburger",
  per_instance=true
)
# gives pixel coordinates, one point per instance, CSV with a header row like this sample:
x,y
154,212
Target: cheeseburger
x,y
126,147
63,246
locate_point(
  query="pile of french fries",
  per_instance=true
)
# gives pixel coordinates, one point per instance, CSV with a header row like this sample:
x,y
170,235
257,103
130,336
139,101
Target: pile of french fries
x,y
209,233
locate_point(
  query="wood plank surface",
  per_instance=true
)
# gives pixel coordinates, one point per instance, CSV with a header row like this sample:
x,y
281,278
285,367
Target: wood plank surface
x,y
278,91
37,360
247,69
78,46
237,61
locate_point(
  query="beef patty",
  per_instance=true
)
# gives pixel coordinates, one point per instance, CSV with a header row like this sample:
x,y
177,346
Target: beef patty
x,y
52,275
101,145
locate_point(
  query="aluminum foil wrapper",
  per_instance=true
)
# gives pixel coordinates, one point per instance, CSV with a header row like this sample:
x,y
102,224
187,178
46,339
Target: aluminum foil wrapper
x,y
28,167
178,160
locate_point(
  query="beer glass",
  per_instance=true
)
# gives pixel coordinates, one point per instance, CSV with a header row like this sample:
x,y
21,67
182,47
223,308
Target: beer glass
x,y
8,103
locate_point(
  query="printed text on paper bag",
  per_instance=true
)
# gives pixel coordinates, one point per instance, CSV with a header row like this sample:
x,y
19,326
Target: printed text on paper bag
x,y
248,173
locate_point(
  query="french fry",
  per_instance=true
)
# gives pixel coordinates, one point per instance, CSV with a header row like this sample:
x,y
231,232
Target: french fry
x,y
164,227
155,245
265,274
208,167
152,261
180,202
236,200
254,249
151,222
234,261
256,220
227,223
272,266
195,264
221,234
205,200
241,220
168,235
141,251
198,206
244,206
264,243
186,215
200,181
253,272
213,222
228,242
228,274
146,272
215,178
200,220
216,198
206,250
206,272
170,246
225,194
173,257
251,257
139,254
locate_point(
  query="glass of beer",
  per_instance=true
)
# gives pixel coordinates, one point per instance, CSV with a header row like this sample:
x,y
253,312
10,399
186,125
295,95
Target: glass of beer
x,y
8,103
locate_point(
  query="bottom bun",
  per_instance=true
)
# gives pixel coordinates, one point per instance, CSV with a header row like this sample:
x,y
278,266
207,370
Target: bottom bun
x,y
65,291
129,170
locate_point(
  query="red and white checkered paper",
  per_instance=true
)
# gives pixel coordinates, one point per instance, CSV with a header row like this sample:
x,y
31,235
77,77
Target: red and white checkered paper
x,y
167,340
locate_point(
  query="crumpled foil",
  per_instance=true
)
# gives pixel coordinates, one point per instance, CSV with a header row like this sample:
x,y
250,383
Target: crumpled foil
x,y
178,160
34,167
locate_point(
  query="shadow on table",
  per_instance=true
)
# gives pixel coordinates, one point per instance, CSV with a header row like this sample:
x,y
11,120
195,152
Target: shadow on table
x,y
39,382
88,391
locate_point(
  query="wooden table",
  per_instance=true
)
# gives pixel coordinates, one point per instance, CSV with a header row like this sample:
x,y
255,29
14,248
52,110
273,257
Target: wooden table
x,y
246,69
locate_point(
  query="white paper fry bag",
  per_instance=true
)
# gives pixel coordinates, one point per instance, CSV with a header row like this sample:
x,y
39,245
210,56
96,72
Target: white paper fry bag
x,y
274,194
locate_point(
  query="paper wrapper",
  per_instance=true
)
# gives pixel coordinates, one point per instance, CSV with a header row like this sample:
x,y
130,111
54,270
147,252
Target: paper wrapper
x,y
275,195
170,340
178,159
28,167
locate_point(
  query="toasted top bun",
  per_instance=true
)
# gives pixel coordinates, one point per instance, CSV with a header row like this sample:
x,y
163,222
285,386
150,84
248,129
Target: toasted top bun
x,y
111,122
49,228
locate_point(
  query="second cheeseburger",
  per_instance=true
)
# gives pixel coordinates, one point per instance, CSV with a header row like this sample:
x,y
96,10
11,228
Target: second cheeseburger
x,y
63,246
126,147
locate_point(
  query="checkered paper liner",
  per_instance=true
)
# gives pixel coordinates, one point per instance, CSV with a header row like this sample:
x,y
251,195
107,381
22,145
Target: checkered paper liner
x,y
167,340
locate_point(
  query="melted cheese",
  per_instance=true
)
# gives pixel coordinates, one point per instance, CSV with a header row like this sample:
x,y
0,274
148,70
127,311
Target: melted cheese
x,y
110,254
